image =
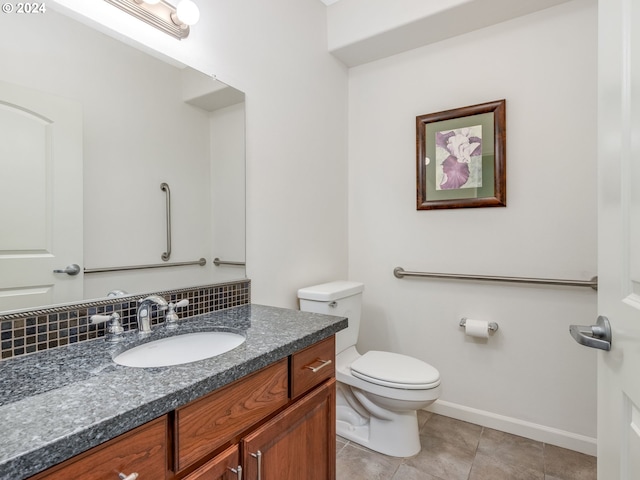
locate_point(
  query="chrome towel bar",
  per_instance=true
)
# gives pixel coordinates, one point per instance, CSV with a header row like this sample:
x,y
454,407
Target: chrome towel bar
x,y
400,272
202,262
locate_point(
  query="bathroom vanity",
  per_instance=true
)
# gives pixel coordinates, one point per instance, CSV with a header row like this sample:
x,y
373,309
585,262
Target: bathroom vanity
x,y
263,410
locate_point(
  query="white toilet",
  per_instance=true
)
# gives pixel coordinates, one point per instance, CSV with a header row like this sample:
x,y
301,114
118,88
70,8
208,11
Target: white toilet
x,y
378,393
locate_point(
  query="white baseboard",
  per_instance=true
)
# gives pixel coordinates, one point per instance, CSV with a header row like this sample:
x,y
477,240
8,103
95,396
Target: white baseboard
x,y
534,431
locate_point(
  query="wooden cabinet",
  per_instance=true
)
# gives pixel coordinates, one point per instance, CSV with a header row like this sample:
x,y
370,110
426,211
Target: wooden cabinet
x,y
211,421
299,443
279,422
142,451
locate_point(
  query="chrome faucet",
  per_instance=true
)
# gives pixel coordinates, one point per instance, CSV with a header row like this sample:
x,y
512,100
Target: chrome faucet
x,y
144,312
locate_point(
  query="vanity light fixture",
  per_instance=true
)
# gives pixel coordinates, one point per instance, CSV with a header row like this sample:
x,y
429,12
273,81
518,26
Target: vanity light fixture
x,y
174,21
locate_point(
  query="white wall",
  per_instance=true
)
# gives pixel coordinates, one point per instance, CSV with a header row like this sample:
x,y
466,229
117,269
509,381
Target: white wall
x,y
228,194
531,377
296,129
296,142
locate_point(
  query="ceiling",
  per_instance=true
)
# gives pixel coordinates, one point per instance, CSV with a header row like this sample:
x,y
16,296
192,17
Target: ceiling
x,y
361,31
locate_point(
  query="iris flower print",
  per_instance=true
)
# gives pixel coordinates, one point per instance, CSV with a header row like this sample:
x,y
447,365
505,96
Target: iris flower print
x,y
459,158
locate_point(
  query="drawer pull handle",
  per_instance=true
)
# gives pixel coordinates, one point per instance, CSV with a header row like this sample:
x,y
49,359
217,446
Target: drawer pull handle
x,y
237,471
323,363
131,476
258,457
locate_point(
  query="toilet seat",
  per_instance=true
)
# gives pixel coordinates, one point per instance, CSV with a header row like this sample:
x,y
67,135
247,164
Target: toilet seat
x,y
395,371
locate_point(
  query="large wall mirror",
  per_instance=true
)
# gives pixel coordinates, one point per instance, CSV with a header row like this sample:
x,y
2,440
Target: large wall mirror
x,y
90,128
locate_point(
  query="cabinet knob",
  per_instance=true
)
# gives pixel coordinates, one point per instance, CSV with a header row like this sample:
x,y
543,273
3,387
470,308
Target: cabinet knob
x,y
131,476
237,471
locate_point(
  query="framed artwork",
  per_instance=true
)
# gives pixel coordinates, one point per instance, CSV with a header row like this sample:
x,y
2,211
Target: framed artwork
x,y
460,159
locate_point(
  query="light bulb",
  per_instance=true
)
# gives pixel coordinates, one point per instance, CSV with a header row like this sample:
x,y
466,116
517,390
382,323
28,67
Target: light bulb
x,y
187,12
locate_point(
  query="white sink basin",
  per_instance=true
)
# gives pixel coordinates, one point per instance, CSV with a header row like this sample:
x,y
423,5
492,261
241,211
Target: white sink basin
x,y
185,348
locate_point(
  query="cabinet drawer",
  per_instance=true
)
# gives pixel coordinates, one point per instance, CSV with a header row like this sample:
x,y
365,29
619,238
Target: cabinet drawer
x,y
313,365
211,421
142,450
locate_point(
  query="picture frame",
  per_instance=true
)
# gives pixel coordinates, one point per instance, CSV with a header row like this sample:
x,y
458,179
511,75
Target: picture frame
x,y
461,157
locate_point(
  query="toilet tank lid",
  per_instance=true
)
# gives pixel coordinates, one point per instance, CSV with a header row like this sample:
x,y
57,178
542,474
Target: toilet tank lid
x,y
328,292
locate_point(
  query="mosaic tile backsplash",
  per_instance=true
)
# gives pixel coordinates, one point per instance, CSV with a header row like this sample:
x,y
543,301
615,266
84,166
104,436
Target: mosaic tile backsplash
x,y
33,331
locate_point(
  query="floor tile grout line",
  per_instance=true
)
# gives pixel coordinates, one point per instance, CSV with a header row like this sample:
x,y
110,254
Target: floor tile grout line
x,y
396,470
341,449
475,452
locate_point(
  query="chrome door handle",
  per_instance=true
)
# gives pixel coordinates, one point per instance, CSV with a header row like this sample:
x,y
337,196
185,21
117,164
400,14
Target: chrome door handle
x,y
72,269
594,336
237,471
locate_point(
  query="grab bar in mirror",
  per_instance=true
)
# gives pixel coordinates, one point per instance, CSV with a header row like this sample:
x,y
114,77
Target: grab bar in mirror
x,y
400,272
202,262
165,188
217,262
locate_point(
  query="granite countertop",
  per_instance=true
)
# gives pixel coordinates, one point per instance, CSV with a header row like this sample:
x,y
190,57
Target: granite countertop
x,y
61,402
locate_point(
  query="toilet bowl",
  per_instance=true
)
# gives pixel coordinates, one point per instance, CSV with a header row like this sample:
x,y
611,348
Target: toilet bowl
x,y
378,393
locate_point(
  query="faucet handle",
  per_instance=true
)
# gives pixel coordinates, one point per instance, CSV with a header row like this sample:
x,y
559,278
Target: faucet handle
x,y
114,329
171,318
182,303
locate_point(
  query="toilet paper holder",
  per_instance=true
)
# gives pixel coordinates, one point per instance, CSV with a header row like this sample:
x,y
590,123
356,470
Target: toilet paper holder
x,y
493,326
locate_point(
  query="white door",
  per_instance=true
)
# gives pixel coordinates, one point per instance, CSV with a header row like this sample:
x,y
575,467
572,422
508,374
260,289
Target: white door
x,y
40,198
619,238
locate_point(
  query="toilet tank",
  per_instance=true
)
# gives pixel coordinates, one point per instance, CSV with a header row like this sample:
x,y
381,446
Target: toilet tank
x,y
341,298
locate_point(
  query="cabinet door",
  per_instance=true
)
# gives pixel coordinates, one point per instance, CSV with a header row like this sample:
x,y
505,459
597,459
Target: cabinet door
x,y
299,443
222,467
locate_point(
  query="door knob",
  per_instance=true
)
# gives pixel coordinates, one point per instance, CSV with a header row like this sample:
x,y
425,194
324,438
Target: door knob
x,y
594,336
72,269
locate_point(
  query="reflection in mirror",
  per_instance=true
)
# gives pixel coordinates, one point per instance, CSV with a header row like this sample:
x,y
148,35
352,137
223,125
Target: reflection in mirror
x,y
89,130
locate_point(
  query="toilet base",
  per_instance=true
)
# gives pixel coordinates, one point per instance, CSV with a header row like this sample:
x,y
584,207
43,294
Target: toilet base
x,y
398,437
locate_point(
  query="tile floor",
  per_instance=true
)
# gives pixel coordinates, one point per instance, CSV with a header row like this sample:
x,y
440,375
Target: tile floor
x,y
456,450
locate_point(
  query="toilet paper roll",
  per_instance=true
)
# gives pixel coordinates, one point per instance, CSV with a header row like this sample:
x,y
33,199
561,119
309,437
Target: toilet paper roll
x,y
477,328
